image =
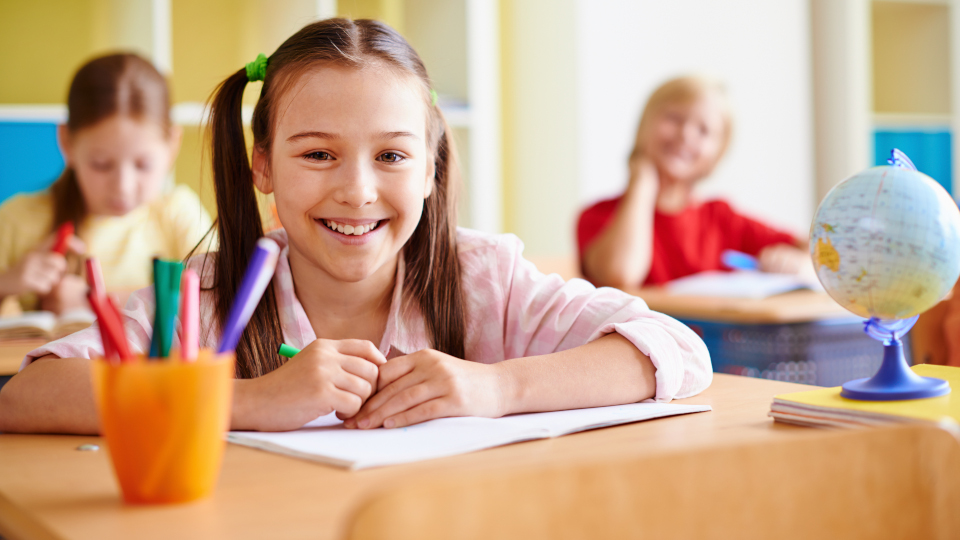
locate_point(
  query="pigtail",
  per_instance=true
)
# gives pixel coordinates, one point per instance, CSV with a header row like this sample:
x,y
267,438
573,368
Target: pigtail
x,y
238,228
68,202
432,277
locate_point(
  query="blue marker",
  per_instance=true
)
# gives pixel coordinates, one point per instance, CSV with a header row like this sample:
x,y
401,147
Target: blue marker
x,y
738,260
255,281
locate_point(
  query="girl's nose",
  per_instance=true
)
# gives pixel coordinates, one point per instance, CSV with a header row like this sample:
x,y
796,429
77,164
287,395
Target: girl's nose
x,y
126,179
691,131
358,186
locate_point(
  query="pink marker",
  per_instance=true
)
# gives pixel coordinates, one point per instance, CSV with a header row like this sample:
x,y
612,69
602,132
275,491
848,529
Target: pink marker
x,y
189,315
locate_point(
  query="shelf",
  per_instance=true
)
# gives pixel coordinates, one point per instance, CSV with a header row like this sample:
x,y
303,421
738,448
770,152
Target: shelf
x,y
42,113
898,121
458,116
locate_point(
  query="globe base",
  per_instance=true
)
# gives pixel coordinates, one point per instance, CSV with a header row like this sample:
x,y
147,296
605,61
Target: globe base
x,y
894,380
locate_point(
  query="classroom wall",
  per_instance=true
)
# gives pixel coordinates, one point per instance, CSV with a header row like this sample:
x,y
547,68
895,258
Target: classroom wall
x,y
43,43
539,122
911,58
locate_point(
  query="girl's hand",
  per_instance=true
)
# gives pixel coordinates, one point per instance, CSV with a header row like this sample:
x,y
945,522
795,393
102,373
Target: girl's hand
x,y
39,271
783,259
430,384
69,293
326,376
643,173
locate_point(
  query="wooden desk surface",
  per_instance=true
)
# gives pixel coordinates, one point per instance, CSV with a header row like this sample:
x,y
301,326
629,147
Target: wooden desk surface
x,y
49,490
791,307
12,353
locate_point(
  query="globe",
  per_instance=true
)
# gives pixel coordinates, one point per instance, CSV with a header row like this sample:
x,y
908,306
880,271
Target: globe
x,y
886,243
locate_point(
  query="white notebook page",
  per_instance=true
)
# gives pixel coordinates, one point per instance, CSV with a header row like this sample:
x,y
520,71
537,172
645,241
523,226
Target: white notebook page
x,y
326,440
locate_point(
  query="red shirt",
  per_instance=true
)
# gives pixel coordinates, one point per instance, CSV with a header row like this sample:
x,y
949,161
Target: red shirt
x,y
688,242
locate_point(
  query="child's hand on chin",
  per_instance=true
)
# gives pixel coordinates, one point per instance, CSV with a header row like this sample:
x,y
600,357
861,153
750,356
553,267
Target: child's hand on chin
x,y
429,384
326,376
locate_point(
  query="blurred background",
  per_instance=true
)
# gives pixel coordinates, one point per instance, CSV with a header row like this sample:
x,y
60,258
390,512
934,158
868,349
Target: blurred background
x,y
545,95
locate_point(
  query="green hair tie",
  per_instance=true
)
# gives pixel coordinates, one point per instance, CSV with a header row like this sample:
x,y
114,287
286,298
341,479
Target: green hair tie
x,y
433,97
257,70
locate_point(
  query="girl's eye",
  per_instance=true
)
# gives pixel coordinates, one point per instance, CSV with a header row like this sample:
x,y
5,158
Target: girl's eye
x,y
143,166
318,156
101,166
391,157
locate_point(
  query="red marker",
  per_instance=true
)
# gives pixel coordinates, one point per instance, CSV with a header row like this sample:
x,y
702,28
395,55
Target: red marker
x,y
63,236
97,297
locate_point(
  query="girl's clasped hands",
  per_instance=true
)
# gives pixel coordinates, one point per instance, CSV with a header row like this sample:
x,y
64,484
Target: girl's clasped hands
x,y
352,378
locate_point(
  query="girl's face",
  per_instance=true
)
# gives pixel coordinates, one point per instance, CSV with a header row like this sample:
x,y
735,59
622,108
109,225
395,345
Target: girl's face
x,y
349,167
120,162
685,140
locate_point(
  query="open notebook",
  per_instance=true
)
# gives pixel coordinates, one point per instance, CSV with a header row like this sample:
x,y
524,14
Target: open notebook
x,y
739,284
327,441
44,324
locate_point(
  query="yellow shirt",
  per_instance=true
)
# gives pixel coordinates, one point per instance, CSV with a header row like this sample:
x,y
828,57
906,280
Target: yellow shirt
x,y
168,227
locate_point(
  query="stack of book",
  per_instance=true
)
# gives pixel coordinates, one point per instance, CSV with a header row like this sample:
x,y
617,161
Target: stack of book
x,y
826,408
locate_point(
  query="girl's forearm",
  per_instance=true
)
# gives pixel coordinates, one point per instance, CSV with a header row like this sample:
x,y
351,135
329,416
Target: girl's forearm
x,y
245,412
621,255
608,371
51,395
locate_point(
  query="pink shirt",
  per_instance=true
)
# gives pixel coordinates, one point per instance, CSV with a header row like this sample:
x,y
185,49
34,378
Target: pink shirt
x,y
513,311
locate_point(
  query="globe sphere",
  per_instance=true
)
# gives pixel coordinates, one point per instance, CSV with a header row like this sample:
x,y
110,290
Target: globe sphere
x,y
886,243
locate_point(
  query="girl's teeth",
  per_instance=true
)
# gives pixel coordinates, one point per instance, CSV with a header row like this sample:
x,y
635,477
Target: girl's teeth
x,y
350,229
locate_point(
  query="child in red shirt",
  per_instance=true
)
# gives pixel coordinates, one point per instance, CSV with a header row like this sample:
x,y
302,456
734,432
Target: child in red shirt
x,y
657,231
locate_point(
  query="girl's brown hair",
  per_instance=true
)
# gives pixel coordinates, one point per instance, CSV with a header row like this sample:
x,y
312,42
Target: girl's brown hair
x,y
432,269
123,84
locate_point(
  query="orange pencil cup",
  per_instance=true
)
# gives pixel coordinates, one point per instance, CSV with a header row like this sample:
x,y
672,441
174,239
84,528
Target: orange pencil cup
x,y
164,423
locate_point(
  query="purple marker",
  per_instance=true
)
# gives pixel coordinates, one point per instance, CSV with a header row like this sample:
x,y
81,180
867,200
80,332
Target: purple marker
x,y
255,281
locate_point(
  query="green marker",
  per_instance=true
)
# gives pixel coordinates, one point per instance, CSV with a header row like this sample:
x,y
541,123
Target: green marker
x,y
287,350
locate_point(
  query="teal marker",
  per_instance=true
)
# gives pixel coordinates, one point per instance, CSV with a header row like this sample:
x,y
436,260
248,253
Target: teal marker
x,y
288,351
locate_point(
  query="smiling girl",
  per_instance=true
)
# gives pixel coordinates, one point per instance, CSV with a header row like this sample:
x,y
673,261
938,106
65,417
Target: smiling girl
x,y
402,317
119,145
658,231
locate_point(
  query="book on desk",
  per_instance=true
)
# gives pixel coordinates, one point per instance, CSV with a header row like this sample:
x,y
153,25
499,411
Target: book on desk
x,y
825,407
45,324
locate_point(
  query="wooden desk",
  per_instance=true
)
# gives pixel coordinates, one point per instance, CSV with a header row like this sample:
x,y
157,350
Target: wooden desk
x,y
12,353
791,307
727,473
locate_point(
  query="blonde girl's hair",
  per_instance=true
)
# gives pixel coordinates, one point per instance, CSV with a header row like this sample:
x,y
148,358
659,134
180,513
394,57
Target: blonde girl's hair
x,y
116,84
432,268
683,91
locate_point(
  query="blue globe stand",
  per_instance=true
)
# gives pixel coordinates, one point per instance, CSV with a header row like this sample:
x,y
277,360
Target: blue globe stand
x,y
894,380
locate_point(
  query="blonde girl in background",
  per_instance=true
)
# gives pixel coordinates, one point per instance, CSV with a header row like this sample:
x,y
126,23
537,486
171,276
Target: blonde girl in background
x,y
401,316
659,230
119,146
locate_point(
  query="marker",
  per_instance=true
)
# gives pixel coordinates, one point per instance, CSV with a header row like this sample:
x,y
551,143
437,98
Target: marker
x,y
189,316
259,273
111,327
64,232
287,350
95,276
166,290
99,292
738,260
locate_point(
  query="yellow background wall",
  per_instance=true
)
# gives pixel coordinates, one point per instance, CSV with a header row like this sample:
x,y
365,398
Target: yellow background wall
x,y
43,43
911,58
